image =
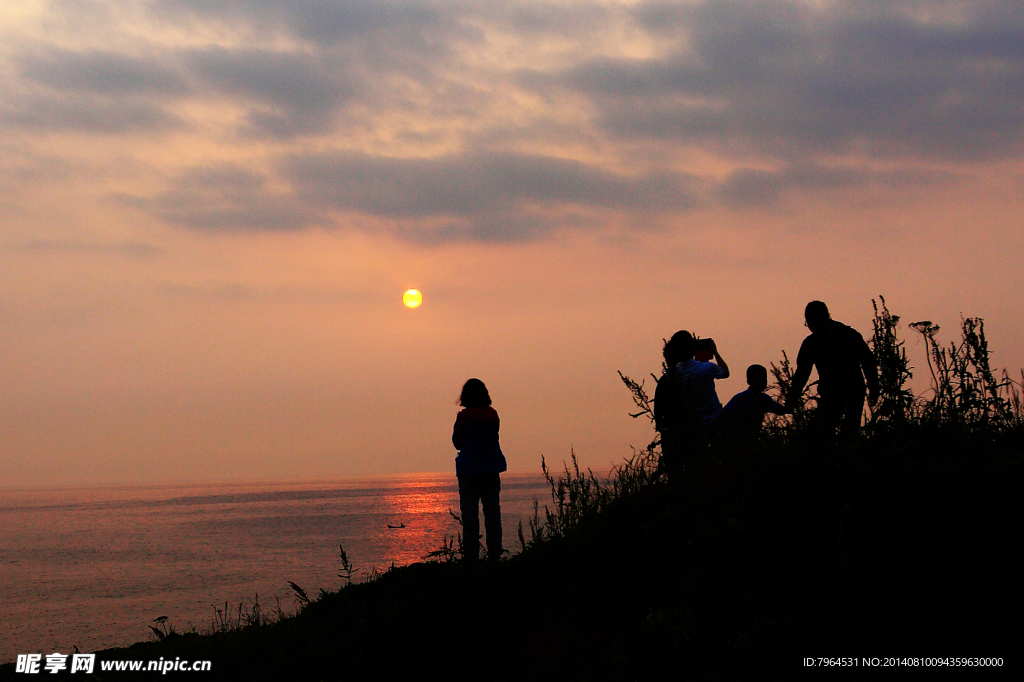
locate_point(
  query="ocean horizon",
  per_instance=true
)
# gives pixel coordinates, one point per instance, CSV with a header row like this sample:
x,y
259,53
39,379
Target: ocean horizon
x,y
92,567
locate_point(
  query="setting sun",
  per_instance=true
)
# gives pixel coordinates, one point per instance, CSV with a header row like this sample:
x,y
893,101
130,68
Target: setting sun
x,y
412,298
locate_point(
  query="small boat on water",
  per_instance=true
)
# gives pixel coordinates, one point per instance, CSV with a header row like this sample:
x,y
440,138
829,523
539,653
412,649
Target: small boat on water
x,y
398,526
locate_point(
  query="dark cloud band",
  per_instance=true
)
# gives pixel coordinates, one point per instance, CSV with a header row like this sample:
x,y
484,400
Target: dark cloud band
x,y
816,93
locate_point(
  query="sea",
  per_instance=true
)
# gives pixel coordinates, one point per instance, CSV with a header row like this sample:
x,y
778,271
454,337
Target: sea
x,y
93,568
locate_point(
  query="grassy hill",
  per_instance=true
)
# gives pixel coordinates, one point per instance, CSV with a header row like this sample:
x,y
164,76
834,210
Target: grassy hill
x,y
758,558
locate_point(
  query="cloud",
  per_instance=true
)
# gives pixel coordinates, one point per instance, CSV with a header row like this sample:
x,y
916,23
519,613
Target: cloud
x,y
508,120
489,196
133,250
485,197
764,188
88,114
792,80
290,92
373,54
224,198
397,27
97,92
466,184
101,72
285,93
480,197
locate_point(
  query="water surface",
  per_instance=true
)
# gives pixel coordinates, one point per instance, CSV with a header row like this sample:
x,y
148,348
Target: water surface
x,y
91,567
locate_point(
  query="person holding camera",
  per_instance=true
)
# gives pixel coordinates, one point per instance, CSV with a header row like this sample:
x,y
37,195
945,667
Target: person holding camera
x,y
685,400
696,378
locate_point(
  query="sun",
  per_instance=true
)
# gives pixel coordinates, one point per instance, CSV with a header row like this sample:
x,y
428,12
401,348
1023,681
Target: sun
x,y
412,298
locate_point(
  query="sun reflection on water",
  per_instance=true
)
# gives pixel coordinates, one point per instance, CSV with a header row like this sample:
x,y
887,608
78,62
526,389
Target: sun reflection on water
x,y
92,567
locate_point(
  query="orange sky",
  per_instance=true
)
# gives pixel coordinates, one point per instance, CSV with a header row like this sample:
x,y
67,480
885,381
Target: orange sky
x,y
211,211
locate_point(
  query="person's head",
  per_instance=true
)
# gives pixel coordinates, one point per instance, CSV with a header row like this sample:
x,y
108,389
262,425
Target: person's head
x,y
474,394
757,378
679,348
816,316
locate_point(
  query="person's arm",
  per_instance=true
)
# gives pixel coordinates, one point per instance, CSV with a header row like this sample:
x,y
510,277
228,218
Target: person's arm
x,y
718,360
457,434
769,405
661,398
870,369
804,362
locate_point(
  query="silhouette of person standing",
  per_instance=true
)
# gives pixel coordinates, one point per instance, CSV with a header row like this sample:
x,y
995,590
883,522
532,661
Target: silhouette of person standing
x,y
669,419
685,401
845,366
477,466
697,378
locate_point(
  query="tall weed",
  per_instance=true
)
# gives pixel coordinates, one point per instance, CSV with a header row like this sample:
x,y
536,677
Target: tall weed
x,y
896,401
965,392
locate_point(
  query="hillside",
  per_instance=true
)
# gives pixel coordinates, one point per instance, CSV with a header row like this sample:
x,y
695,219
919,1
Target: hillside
x,y
759,558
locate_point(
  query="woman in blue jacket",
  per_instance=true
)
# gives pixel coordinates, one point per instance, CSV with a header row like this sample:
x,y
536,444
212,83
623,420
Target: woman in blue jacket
x,y
478,465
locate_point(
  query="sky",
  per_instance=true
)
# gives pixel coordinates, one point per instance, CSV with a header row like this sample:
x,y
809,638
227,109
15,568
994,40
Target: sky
x,y
210,210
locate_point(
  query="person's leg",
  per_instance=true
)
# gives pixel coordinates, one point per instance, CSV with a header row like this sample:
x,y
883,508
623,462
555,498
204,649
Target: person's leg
x,y
853,410
669,462
826,419
490,490
469,496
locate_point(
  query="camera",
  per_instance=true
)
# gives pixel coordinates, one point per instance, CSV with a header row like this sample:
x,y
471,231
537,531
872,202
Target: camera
x,y
702,350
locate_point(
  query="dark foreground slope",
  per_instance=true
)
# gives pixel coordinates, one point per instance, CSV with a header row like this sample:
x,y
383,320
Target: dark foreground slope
x,y
761,559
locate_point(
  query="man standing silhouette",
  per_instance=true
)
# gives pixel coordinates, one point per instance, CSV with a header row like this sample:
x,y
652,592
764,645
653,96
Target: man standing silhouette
x,y
845,367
